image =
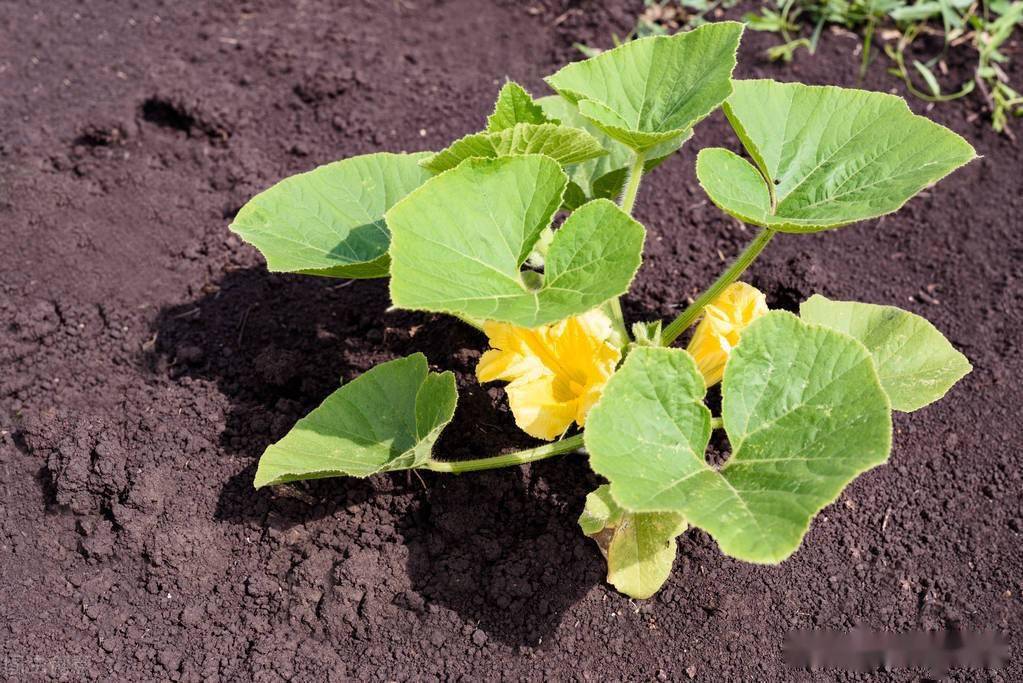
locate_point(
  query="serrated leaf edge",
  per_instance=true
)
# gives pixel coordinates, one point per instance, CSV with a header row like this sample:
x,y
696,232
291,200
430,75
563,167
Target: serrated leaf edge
x,y
760,164
575,97
777,558
450,311
383,260
430,437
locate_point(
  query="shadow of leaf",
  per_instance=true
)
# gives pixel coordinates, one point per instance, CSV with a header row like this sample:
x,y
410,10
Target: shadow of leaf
x,y
500,548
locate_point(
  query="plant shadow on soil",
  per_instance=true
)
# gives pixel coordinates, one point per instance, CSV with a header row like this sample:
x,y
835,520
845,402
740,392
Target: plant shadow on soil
x,y
500,548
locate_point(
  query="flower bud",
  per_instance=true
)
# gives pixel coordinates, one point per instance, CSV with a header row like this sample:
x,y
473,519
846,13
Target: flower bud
x,y
723,321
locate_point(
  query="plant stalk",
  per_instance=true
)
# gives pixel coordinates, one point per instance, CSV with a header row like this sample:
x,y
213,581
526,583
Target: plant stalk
x,y
627,202
632,185
614,311
572,443
738,267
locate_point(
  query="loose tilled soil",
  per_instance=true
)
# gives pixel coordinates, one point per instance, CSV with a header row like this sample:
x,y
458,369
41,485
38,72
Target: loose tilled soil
x,y
148,358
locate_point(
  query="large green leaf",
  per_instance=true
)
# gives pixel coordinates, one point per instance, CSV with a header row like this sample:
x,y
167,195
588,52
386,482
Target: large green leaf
x,y
639,548
386,419
804,412
649,91
915,362
564,144
603,177
330,221
825,156
461,239
514,105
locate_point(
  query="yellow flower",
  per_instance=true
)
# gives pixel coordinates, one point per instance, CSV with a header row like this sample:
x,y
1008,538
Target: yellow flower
x,y
724,319
555,372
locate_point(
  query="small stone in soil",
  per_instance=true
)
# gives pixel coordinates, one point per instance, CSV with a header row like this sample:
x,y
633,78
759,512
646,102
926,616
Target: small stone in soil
x,y
170,659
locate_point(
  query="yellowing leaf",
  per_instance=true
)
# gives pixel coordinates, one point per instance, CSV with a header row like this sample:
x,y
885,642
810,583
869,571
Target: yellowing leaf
x,y
639,548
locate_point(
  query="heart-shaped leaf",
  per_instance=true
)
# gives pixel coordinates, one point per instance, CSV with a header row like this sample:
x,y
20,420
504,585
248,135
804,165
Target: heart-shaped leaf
x,y
330,221
826,156
514,105
915,362
603,177
649,91
804,412
639,547
564,144
387,419
460,242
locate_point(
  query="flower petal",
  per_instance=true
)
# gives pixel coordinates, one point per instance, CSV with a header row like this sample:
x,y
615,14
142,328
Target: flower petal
x,y
506,366
556,372
538,411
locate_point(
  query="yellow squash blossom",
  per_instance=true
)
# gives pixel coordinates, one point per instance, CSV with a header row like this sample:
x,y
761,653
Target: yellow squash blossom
x,y
555,372
724,319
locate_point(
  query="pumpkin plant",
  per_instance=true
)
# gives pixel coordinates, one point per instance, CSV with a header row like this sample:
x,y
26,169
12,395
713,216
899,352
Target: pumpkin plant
x,y
470,231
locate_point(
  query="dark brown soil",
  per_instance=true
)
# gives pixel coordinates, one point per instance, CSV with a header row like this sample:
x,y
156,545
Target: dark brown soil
x,y
148,358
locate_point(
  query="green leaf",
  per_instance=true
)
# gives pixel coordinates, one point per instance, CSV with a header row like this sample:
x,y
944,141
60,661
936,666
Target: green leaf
x,y
514,105
804,412
826,156
915,362
649,91
639,548
563,144
460,242
330,221
603,177
387,419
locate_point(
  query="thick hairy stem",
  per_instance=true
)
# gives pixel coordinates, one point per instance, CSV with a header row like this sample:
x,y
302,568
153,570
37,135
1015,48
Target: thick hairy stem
x,y
627,202
632,185
738,267
572,443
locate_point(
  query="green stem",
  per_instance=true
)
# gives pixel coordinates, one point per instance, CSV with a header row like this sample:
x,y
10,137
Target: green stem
x,y
632,185
716,423
572,443
628,201
614,311
738,267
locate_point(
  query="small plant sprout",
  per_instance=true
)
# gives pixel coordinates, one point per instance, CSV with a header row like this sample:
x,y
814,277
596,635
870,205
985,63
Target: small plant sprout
x,y
469,231
978,27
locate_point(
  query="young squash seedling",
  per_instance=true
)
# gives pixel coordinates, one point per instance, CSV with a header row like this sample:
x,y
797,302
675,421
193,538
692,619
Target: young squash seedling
x,y
468,231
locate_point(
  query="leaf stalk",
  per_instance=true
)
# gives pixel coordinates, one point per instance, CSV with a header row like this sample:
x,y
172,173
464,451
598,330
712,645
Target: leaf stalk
x,y
731,274
572,443
627,202
632,185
